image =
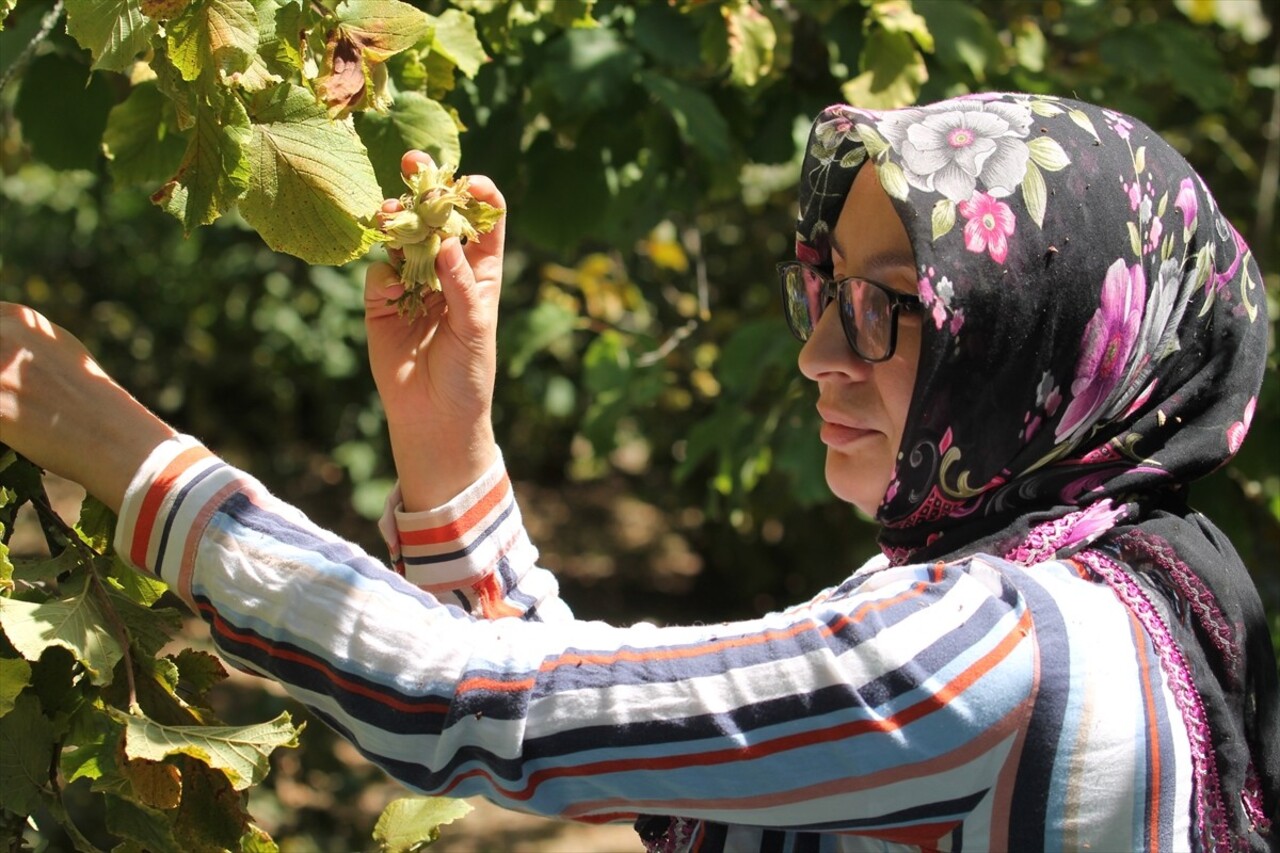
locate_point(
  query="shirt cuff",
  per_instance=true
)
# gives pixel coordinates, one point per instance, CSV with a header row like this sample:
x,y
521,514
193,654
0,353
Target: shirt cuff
x,y
153,532
457,543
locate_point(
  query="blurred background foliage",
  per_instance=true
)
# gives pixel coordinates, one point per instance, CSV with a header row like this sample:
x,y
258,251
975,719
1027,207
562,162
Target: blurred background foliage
x,y
649,407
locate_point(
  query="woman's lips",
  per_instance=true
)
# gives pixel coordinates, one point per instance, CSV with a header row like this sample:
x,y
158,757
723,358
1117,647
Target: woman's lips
x,y
838,435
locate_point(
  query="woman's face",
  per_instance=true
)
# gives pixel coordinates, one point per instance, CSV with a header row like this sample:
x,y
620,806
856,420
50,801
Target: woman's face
x,y
864,406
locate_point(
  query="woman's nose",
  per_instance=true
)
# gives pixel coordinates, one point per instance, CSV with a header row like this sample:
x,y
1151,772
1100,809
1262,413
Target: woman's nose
x,y
827,353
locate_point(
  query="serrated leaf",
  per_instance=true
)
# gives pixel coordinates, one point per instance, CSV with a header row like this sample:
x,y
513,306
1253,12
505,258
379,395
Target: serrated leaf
x,y
455,37
1034,193
212,814
141,139
312,184
1048,154
751,43
26,747
241,752
382,28
149,629
215,168
96,525
133,584
74,622
410,823
115,32
155,784
164,10
220,35
414,121
150,828
91,744
944,217
41,571
15,675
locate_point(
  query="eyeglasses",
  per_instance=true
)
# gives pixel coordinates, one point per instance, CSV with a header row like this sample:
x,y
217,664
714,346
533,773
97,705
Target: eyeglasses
x,y
868,309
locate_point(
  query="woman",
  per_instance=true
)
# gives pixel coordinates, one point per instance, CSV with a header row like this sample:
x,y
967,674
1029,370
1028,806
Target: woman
x,y
1043,331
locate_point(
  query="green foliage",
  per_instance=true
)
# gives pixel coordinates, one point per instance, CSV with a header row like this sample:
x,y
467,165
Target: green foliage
x,y
412,823
83,695
648,153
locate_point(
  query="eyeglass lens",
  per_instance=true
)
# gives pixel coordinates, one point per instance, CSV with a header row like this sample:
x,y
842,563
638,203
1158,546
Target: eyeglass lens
x,y
865,309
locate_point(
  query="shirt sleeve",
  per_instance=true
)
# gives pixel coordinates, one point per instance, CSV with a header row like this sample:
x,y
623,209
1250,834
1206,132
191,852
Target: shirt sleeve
x,y
473,551
904,692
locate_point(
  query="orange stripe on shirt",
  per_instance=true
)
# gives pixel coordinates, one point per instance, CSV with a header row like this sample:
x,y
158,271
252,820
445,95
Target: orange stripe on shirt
x,y
1153,730
715,647
854,728
460,526
154,498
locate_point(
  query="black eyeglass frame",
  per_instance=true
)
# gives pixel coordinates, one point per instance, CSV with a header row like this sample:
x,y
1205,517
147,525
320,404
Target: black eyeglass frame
x,y
832,290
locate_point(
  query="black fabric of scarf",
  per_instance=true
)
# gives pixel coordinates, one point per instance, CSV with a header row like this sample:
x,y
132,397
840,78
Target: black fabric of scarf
x,y
1095,330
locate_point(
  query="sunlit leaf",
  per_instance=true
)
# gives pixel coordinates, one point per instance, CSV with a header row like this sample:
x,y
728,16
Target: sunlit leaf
x,y
115,32
241,752
215,167
382,28
74,622
455,38
15,674
751,43
894,72
410,823
219,35
414,121
311,185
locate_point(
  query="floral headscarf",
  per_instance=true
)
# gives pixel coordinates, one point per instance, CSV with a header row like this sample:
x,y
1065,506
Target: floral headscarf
x,y
1094,340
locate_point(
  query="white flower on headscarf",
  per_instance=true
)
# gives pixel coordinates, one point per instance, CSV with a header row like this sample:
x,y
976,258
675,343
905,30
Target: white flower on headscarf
x,y
961,146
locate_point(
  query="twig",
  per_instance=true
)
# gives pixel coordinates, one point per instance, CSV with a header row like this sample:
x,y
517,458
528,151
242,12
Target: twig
x,y
47,23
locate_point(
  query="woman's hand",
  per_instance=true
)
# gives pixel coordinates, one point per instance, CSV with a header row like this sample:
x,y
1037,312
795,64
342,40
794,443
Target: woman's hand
x,y
436,373
59,409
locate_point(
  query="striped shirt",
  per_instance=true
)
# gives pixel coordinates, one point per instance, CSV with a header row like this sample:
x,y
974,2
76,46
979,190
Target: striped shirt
x,y
976,704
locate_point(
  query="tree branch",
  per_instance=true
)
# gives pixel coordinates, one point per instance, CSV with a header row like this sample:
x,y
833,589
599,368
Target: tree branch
x,y
47,24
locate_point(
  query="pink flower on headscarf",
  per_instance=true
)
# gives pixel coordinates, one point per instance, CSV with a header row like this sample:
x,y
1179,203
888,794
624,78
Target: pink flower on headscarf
x,y
807,254
1153,236
1108,343
1236,432
1186,202
989,227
